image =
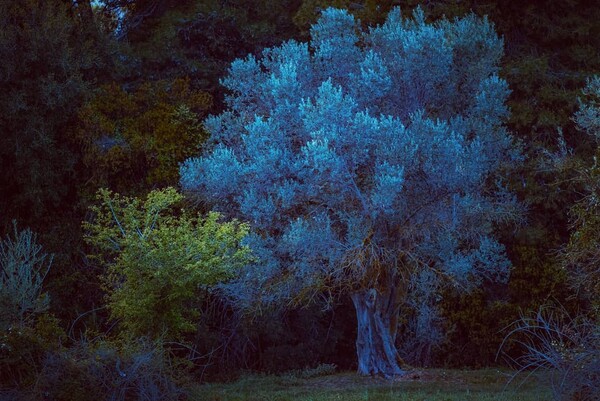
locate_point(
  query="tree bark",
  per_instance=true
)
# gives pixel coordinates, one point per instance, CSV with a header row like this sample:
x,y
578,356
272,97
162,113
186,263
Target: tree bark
x,y
376,314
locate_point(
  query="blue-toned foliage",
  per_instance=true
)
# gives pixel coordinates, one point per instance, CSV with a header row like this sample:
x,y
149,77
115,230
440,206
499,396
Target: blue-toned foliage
x,y
389,138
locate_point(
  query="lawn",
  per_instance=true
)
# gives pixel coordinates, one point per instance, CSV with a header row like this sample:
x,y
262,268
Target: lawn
x,y
419,385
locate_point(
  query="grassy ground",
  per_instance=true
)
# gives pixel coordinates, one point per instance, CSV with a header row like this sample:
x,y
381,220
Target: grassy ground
x,y
419,385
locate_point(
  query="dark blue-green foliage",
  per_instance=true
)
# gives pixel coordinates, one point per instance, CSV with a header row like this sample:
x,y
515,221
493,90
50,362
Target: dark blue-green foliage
x,y
390,138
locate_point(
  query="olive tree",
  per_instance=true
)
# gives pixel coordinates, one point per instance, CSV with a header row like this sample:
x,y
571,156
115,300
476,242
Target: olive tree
x,y
362,159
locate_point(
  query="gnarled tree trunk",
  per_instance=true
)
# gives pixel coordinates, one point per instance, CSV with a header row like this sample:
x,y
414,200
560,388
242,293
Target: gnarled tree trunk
x,y
377,316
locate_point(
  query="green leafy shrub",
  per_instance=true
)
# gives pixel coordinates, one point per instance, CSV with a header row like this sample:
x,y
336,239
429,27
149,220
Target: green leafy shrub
x,y
160,259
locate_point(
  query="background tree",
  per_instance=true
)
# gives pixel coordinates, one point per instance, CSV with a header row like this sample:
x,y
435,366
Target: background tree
x,y
42,81
134,140
369,12
362,159
196,38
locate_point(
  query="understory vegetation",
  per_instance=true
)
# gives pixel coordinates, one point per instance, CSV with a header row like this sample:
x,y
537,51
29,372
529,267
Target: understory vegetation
x,y
300,199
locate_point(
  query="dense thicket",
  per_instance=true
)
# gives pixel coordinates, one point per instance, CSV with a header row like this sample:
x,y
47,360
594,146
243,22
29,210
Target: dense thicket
x,y
113,94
